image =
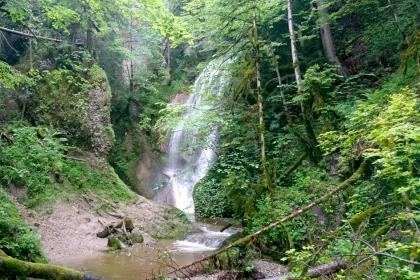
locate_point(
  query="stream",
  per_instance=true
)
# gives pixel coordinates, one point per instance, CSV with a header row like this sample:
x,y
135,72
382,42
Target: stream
x,y
190,155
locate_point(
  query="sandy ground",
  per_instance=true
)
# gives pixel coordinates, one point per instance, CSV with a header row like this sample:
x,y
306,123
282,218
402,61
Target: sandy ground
x,y
69,229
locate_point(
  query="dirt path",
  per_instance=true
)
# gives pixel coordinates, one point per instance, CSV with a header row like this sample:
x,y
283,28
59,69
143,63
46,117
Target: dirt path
x,y
70,229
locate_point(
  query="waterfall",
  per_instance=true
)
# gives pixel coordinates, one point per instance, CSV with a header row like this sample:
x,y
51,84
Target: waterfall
x,y
190,154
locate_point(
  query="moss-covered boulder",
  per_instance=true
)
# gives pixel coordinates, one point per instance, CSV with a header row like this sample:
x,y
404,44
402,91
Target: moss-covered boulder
x,y
114,242
129,225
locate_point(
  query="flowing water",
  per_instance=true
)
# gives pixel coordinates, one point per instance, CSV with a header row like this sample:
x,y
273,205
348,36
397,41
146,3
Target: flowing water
x,y
190,155
191,152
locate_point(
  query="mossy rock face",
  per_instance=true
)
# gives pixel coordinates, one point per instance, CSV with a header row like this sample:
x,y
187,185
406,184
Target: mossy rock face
x,y
114,242
78,102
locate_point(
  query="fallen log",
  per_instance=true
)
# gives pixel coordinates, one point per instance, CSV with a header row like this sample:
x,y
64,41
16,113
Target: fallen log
x,y
11,267
317,271
326,269
33,36
356,175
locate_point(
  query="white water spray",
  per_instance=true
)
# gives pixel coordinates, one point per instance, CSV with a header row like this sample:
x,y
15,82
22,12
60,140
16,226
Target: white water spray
x,y
188,164
189,160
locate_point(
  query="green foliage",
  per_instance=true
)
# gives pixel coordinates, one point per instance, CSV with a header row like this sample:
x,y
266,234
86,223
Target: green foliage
x,y
209,199
11,78
389,138
35,160
17,239
298,260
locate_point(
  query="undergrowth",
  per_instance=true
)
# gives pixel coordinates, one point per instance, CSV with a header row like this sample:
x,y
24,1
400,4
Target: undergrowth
x,y
17,239
34,159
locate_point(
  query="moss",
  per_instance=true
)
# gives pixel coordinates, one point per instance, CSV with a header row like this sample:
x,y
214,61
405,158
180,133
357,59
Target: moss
x,y
175,212
171,231
114,242
12,268
125,158
129,225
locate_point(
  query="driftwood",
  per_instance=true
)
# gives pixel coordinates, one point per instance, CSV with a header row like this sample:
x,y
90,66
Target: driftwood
x,y
356,175
13,268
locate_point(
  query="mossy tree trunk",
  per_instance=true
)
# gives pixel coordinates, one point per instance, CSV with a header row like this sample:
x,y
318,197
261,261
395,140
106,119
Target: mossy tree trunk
x,y
11,267
314,151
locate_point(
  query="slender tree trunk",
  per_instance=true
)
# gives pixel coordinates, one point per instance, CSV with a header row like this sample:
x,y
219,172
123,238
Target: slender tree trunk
x,y
313,149
295,59
283,97
168,59
327,38
131,71
261,126
89,40
404,38
31,61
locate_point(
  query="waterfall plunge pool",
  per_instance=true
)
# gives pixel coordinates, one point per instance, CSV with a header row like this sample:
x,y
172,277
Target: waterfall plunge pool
x,y
141,262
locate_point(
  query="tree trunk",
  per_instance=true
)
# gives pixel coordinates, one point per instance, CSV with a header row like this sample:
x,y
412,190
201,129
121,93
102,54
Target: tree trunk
x,y
261,126
404,38
327,38
313,150
89,39
283,97
11,267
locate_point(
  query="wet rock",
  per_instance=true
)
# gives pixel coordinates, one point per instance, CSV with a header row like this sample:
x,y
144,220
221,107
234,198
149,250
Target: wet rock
x,y
104,233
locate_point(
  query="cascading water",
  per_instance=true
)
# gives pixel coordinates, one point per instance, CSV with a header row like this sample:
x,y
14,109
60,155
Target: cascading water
x,y
190,155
